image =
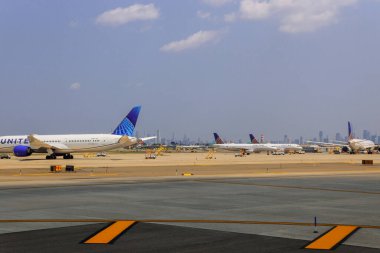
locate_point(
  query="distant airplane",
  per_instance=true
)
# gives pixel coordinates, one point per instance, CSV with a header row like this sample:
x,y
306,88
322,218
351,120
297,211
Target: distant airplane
x,y
175,145
247,148
64,145
191,147
353,144
279,147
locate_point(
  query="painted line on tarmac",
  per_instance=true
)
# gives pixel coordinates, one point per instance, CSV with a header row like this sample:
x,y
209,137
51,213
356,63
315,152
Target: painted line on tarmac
x,y
286,223
332,238
289,187
110,233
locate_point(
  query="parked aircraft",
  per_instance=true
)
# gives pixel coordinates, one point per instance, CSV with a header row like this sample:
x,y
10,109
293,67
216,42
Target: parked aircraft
x,y
247,148
65,144
354,144
285,147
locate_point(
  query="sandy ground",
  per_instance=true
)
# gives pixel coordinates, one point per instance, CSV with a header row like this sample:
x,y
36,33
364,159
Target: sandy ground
x,y
135,166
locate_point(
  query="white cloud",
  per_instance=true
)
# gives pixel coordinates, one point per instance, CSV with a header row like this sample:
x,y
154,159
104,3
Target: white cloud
x,y
75,86
252,9
217,3
193,41
120,16
229,18
203,14
295,15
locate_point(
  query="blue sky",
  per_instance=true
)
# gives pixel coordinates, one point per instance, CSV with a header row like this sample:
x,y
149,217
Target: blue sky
x,y
274,67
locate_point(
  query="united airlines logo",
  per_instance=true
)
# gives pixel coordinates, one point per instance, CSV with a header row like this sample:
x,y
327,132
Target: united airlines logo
x,y
14,141
125,128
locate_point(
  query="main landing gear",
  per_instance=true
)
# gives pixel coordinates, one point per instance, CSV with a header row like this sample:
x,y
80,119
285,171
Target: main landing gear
x,y
54,156
68,156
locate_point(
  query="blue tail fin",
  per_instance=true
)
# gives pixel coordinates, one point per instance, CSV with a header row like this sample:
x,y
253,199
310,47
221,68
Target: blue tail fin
x,y
253,139
350,135
128,124
218,140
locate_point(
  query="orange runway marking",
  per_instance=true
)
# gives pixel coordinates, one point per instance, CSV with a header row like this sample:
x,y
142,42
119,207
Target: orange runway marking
x,y
110,233
332,238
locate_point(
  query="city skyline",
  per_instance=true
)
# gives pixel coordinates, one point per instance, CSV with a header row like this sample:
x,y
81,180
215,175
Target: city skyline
x,y
321,137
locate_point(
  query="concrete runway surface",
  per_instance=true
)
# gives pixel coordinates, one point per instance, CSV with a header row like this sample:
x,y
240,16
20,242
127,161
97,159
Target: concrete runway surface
x,y
253,204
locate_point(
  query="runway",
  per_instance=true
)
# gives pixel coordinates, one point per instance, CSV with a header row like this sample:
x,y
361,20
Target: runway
x,y
242,208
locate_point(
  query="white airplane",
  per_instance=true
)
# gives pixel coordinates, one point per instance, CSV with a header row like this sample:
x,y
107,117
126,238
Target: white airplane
x,y
247,148
354,144
280,146
65,144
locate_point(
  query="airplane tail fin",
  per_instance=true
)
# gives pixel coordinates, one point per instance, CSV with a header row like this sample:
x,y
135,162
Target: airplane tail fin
x,y
253,139
350,135
218,140
128,124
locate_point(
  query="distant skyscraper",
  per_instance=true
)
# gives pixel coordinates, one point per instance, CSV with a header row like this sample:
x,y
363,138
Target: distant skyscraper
x,y
301,140
320,136
338,137
158,140
286,138
185,140
366,134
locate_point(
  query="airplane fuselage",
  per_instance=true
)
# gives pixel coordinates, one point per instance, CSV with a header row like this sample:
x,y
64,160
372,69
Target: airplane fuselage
x,y
247,147
286,147
361,144
70,143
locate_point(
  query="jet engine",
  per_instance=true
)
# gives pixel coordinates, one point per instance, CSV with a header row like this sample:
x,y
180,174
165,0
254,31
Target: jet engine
x,y
22,151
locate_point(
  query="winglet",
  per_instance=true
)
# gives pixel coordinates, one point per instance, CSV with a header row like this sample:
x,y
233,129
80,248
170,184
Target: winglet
x,y
127,126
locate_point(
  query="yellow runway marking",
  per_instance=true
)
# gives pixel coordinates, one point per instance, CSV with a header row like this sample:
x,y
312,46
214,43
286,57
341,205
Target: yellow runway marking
x,y
110,233
332,238
289,187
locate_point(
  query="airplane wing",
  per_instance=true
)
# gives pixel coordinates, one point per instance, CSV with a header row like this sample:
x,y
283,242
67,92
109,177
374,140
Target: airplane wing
x,y
327,144
127,141
132,140
36,143
343,142
147,138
